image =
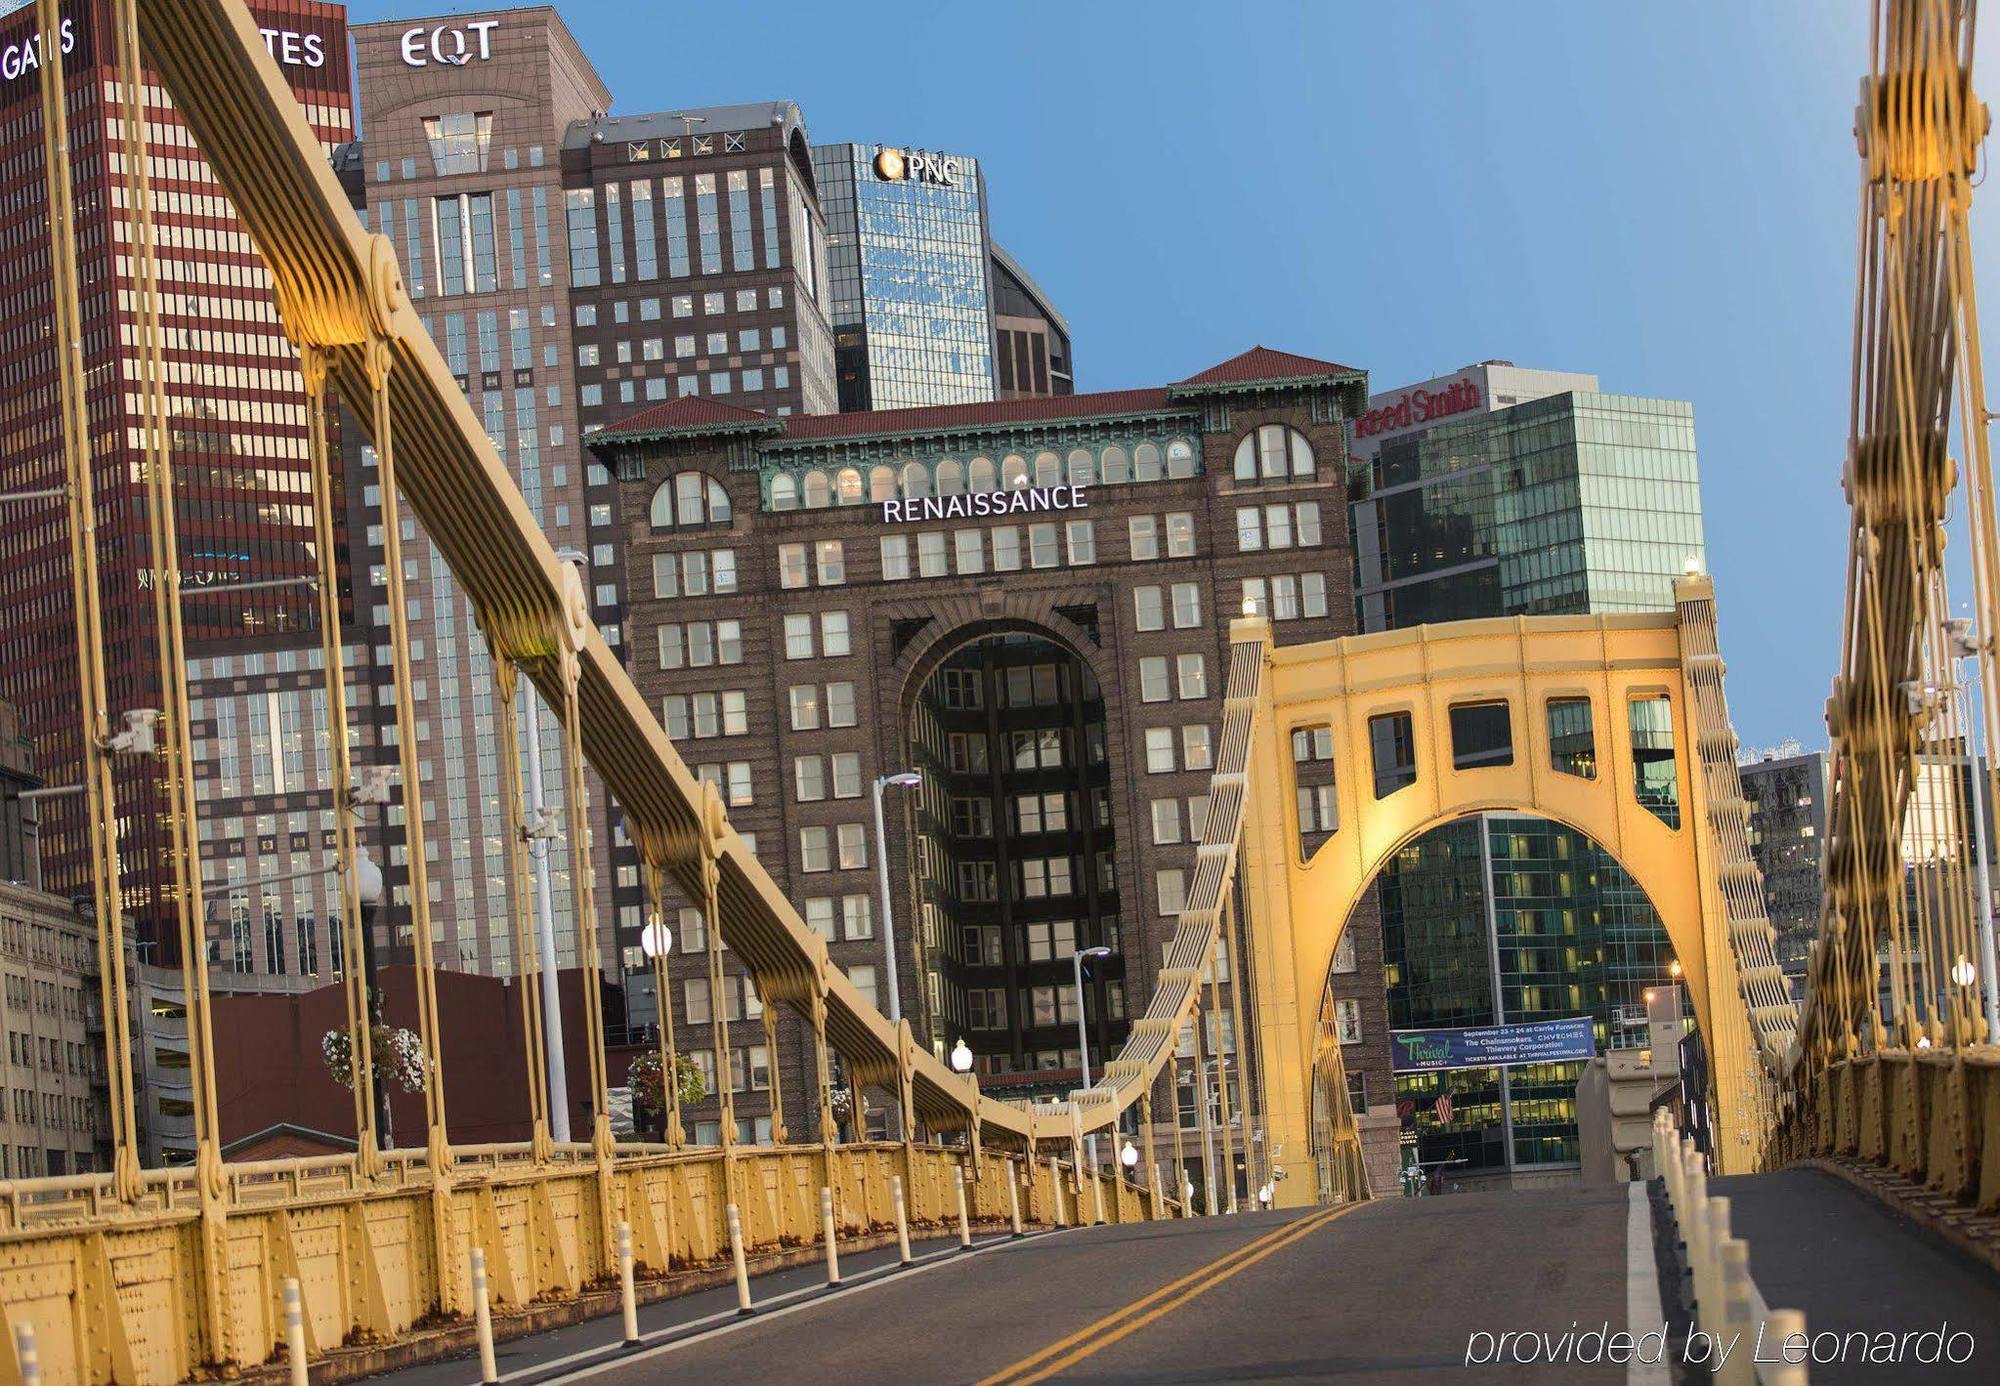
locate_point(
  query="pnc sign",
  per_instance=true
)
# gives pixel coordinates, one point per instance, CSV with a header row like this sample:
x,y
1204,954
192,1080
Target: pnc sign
x,y
893,165
453,45
1414,407
982,504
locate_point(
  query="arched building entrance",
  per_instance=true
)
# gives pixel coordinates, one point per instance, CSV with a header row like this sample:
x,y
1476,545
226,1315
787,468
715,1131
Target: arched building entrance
x,y
1014,869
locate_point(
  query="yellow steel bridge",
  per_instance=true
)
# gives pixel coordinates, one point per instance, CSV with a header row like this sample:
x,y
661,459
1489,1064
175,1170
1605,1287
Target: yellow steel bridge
x,y
160,1274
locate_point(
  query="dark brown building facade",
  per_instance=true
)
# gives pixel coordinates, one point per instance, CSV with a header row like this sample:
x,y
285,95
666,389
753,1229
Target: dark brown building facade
x,y
1027,603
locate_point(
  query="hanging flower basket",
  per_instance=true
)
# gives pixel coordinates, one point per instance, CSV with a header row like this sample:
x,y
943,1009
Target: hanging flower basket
x,y
644,1080
398,1056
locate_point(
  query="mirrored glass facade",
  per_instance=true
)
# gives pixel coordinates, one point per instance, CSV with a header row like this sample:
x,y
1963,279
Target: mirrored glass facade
x,y
907,260
1572,503
1577,502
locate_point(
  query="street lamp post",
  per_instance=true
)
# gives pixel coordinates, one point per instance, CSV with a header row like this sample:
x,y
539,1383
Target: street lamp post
x,y
961,1062
1965,648
903,779
1083,1033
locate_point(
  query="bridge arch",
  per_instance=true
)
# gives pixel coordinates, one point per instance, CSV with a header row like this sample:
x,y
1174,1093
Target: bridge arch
x,y
1392,753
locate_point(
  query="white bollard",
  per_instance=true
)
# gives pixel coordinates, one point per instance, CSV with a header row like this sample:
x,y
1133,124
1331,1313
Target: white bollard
x,y
1694,1236
628,1293
827,1232
482,1317
964,1221
1733,1266
28,1360
295,1332
743,1305
1782,1324
902,1219
1014,1197
1714,1234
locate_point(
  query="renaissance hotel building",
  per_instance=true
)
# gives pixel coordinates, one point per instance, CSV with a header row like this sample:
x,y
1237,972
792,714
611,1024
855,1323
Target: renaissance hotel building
x,y
1026,603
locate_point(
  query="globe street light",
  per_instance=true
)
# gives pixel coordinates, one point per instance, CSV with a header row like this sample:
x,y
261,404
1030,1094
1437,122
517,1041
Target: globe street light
x,y
1962,971
903,779
1083,1032
655,940
961,1062
1129,1156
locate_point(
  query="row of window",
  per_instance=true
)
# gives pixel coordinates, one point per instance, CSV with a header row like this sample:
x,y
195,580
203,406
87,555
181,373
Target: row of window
x,y
750,380
986,1007
713,303
1482,737
687,345
816,489
965,551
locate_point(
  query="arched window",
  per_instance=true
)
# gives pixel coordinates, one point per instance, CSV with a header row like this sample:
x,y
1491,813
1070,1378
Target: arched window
x,y
1180,458
981,476
818,490
916,480
1113,465
1146,463
1048,469
784,492
689,500
1272,453
1014,471
1082,467
847,486
950,478
882,483
690,497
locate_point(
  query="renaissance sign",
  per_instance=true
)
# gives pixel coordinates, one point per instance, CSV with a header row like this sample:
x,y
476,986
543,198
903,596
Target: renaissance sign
x,y
1493,1046
985,504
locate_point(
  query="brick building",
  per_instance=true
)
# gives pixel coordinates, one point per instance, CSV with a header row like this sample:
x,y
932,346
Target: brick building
x,y
1027,602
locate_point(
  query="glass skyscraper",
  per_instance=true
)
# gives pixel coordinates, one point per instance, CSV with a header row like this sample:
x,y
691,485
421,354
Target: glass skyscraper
x,y
1570,503
907,261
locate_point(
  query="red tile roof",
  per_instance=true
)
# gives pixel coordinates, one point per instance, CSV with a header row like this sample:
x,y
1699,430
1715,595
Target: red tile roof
x,y
935,417
692,413
695,413
1262,363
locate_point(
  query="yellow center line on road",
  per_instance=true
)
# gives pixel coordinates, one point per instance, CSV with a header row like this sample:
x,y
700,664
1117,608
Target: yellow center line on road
x,y
1085,1342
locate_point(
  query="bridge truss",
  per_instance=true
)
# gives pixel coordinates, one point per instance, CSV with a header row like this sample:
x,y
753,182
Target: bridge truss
x,y
1897,1063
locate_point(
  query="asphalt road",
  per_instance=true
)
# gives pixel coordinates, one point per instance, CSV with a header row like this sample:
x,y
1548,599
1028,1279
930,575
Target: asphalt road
x,y
1856,1266
1385,1292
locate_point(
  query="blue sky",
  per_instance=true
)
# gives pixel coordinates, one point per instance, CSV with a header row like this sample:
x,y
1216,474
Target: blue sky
x,y
1662,194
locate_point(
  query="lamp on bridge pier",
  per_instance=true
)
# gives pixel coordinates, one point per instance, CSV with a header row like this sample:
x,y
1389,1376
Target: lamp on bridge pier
x,y
1962,971
961,1057
1129,1156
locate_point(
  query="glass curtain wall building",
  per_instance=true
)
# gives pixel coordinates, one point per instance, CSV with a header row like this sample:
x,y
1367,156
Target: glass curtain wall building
x,y
907,258
1573,502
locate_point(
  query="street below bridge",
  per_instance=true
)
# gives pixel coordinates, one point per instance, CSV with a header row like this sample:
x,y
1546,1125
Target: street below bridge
x,y
1391,1291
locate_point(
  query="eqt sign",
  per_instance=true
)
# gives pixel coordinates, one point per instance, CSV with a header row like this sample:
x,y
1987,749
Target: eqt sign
x,y
453,45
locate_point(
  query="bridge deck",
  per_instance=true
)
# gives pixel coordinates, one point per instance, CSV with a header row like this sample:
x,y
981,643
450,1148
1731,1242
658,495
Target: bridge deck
x,y
1376,1294
1854,1264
